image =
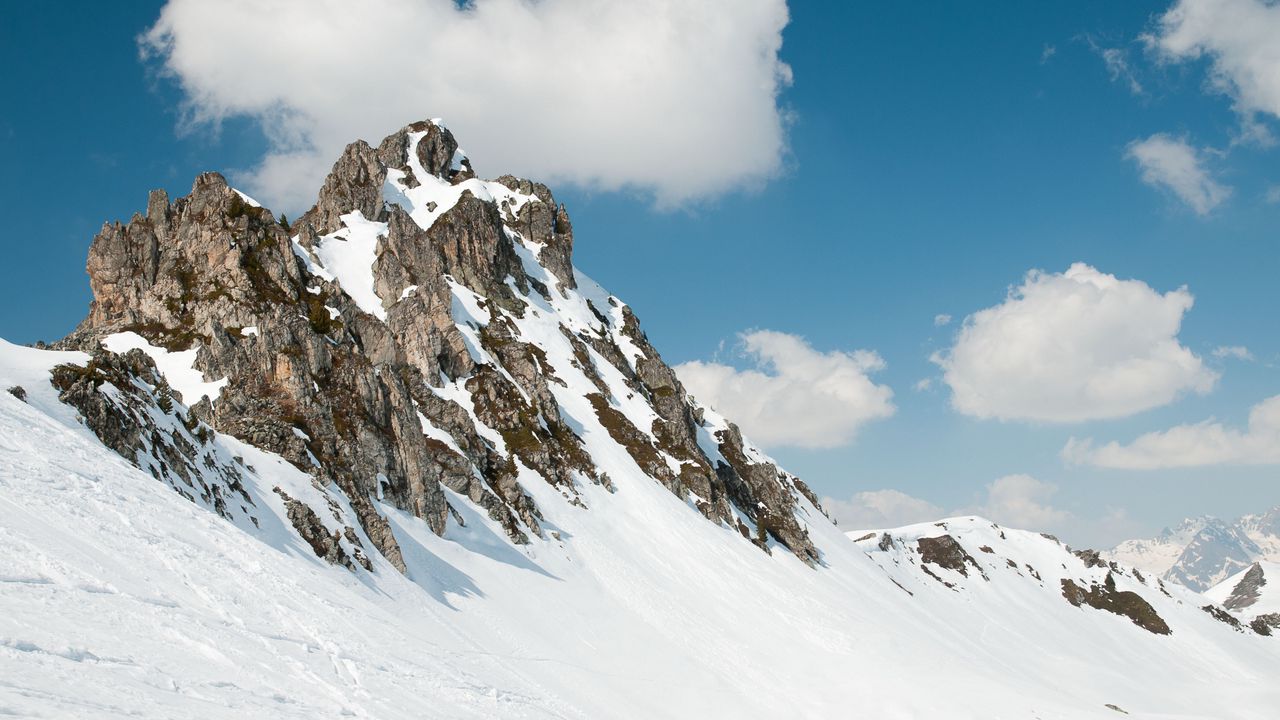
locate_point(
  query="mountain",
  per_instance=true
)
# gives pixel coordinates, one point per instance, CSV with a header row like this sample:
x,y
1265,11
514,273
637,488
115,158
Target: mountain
x,y
399,458
1201,552
1253,596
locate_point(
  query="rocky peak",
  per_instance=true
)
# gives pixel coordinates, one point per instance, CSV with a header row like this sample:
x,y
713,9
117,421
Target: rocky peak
x,y
1247,591
419,335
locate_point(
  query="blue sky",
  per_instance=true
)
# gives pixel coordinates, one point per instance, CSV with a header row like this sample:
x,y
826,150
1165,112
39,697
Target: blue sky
x,y
931,157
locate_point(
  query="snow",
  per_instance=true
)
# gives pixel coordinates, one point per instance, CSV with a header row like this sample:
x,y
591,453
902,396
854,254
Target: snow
x,y
246,198
249,331
1268,601
178,368
348,256
436,433
119,598
312,266
1203,551
636,607
165,610
434,196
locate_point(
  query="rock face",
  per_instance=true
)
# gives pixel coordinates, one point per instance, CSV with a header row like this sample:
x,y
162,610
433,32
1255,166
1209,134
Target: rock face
x,y
1248,590
945,552
1121,602
418,337
137,419
1251,597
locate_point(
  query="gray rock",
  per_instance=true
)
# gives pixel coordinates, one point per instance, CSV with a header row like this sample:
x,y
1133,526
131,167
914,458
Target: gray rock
x,y
192,272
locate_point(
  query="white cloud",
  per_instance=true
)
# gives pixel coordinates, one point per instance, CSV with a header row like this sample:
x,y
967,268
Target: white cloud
x,y
880,509
1021,501
670,97
941,319
1118,68
1074,346
1172,164
795,396
923,384
1014,500
1273,194
1047,52
1239,38
1236,352
1205,443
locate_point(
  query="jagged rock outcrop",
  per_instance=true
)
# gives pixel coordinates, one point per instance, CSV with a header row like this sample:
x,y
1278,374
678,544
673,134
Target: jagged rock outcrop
x,y
1121,602
385,342
138,420
945,552
1248,590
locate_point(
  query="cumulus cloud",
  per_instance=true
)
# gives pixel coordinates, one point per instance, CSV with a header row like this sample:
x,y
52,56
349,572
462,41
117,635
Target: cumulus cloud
x,y
1171,164
1021,501
941,319
1235,352
880,509
674,98
795,395
1015,500
1239,39
1071,347
1205,443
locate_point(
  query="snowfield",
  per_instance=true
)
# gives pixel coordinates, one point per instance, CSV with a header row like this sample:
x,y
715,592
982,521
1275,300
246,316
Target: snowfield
x,y
120,598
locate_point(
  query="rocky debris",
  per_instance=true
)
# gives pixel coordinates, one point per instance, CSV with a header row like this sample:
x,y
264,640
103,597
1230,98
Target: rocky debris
x,y
1120,602
19,392
326,546
1117,708
868,536
1091,558
755,485
123,401
886,542
1264,624
363,383
945,552
1223,616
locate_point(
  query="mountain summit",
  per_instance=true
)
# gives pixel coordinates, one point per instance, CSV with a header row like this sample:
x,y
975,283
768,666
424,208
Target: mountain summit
x,y
418,330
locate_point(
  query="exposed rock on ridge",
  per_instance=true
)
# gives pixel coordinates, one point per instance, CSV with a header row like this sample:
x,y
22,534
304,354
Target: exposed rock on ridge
x,y
396,353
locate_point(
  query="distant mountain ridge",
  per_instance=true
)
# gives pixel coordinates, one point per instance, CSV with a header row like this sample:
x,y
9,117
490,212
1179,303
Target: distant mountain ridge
x,y
1204,551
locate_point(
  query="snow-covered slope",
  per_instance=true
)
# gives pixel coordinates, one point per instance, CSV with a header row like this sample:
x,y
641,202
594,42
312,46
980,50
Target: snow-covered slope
x,y
120,598
1201,552
401,459
1252,595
